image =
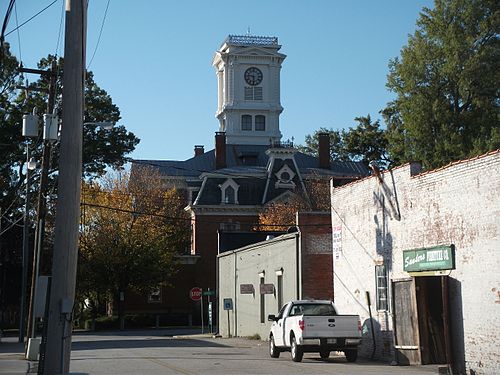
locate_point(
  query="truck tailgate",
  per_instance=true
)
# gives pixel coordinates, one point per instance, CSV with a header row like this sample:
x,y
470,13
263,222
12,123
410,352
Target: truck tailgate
x,y
330,326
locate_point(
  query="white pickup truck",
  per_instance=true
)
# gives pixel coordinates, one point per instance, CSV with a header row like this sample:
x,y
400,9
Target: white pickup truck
x,y
313,326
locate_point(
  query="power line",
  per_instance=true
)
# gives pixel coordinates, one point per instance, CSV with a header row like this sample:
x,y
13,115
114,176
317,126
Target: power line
x,y
59,32
100,34
134,212
29,19
18,35
5,23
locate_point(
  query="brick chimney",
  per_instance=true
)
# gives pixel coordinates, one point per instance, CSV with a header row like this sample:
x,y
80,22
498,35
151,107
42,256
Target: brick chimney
x,y
220,150
199,150
324,150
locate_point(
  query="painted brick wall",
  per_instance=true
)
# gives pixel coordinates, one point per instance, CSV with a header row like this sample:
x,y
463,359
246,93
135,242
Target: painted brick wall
x,y
458,204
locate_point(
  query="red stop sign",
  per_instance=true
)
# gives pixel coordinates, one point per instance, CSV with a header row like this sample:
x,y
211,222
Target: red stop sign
x,y
195,293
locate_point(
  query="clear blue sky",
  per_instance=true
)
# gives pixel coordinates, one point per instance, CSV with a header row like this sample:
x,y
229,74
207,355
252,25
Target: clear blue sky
x,y
154,59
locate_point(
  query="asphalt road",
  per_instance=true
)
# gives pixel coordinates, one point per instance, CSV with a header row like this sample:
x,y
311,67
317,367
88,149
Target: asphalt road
x,y
161,352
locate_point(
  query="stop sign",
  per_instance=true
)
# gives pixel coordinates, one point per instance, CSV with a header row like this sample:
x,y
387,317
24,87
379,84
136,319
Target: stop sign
x,y
195,293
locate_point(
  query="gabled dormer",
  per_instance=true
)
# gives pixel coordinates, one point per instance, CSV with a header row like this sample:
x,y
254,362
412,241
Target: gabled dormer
x,y
283,174
229,192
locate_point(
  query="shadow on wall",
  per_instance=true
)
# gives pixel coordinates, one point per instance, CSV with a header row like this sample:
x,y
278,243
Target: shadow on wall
x,y
457,325
382,347
386,198
384,243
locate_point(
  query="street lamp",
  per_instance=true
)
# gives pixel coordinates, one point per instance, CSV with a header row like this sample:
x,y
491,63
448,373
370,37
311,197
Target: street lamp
x,y
106,125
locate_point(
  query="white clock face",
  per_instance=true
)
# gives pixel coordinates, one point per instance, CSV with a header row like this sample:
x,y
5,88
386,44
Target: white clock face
x,y
253,76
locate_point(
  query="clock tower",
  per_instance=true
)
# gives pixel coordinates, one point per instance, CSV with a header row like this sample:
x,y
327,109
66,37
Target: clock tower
x,y
248,75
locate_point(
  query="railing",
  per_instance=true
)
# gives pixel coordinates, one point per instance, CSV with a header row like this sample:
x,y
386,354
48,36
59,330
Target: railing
x,y
282,144
252,40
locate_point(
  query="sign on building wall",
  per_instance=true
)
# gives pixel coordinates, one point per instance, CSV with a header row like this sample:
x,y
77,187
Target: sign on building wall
x,y
246,289
337,241
429,259
266,288
228,303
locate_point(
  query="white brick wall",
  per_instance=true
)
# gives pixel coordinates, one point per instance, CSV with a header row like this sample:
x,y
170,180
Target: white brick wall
x,y
458,204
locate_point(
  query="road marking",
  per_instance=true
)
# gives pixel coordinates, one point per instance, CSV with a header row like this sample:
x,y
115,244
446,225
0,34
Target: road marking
x,y
161,363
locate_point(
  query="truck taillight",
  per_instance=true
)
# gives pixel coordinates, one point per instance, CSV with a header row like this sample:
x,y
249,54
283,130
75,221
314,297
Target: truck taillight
x,y
301,324
359,325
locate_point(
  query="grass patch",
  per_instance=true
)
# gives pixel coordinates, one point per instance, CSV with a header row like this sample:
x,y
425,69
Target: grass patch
x,y
254,337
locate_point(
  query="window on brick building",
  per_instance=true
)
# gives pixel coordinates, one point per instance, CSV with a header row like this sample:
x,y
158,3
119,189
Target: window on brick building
x,y
381,283
155,296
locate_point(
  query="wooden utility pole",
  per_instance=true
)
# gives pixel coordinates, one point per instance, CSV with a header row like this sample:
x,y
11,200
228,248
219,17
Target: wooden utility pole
x,y
58,347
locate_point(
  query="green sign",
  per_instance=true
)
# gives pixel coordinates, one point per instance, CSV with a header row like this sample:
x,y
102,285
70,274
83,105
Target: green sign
x,y
209,293
429,259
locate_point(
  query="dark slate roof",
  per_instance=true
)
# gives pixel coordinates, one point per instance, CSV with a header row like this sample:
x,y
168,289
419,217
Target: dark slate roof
x,y
256,156
234,240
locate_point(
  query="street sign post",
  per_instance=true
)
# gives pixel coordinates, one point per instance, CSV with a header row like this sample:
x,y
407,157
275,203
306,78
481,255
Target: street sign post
x,y
228,305
195,293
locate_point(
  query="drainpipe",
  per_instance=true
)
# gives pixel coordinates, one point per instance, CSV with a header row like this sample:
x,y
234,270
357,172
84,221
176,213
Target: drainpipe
x,y
298,263
371,323
235,306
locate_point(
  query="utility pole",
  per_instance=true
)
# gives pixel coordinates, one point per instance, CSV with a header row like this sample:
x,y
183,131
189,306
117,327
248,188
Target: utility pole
x,y
65,255
42,191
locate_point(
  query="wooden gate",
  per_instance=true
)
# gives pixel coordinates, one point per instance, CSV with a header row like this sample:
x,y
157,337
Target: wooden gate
x,y
406,335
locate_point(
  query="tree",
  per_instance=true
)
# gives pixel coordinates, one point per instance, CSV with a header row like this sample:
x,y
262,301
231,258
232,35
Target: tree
x,y
447,85
337,151
365,143
101,148
281,214
132,228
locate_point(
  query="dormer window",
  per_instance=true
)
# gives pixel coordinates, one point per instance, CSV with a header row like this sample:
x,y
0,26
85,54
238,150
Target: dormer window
x,y
285,178
229,192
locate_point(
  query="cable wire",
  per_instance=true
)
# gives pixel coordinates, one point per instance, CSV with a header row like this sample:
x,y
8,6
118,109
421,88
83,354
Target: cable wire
x,y
60,30
29,19
18,35
100,34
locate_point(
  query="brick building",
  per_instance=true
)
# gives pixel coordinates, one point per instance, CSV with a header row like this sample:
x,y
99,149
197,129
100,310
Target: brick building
x,y
259,279
249,168
425,246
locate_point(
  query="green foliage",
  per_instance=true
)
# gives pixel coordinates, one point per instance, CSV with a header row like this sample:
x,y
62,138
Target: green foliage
x,y
132,229
101,148
447,85
366,142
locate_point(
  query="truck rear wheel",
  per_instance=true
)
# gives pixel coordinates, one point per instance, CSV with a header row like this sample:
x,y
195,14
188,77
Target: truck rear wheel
x,y
296,350
324,353
351,355
274,352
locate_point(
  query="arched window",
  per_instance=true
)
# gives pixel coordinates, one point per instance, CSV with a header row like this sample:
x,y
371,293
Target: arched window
x,y
229,195
260,123
246,122
229,192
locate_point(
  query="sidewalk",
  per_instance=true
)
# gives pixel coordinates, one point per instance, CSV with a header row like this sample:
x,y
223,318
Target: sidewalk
x,y
12,357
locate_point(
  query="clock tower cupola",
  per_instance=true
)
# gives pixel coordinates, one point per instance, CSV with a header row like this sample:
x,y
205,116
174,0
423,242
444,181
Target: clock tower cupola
x,y
248,73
